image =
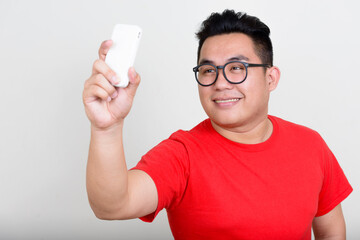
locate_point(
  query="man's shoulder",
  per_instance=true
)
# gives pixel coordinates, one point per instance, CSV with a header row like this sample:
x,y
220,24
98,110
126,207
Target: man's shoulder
x,y
201,129
292,128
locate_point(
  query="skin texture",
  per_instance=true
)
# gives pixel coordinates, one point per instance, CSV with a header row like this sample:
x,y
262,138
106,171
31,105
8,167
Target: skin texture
x,y
244,120
116,193
331,226
113,191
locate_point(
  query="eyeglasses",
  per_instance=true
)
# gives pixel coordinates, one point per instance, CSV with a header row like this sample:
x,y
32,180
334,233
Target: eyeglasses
x,y
235,72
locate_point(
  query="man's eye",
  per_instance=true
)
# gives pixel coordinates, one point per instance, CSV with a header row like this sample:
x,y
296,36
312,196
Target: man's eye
x,y
237,68
208,70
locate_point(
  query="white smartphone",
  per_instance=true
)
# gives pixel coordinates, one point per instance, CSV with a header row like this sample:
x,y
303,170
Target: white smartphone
x,y
121,55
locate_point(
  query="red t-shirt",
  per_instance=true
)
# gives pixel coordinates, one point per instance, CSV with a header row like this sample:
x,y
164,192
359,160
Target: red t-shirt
x,y
214,188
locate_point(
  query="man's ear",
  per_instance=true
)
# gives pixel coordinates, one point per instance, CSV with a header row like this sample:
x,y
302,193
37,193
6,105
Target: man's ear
x,y
273,77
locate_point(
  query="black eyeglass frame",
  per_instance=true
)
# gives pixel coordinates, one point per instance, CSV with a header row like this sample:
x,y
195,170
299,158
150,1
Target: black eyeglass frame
x,y
247,65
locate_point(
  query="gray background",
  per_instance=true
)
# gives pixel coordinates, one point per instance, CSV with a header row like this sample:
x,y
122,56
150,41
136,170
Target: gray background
x,y
47,49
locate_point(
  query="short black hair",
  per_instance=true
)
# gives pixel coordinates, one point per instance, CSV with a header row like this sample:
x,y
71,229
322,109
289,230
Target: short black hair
x,y
230,21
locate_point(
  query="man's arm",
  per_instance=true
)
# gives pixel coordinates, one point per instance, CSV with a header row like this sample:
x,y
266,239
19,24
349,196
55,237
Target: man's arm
x,y
330,226
113,191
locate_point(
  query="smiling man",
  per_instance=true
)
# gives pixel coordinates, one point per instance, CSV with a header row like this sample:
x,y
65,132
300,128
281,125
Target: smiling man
x,y
236,97
241,173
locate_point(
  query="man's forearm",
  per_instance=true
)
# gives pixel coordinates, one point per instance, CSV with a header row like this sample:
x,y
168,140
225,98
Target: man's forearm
x,y
106,176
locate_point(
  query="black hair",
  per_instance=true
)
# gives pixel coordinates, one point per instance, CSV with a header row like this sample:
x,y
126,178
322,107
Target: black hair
x,y
231,22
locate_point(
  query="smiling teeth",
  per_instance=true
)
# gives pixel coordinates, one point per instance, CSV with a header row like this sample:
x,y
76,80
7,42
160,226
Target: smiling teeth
x,y
227,100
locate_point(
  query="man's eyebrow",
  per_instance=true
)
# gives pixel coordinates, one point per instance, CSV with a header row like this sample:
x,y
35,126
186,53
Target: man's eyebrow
x,y
205,61
235,58
239,58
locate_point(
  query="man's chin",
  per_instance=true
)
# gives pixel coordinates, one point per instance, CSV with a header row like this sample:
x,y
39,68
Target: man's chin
x,y
227,122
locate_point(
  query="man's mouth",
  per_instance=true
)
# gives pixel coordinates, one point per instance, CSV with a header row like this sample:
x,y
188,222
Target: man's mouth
x,y
226,100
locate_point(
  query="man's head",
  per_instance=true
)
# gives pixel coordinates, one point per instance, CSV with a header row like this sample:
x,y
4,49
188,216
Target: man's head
x,y
231,22
235,96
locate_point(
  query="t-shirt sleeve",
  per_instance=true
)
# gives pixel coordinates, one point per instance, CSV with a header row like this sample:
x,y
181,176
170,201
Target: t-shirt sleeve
x,y
167,164
335,184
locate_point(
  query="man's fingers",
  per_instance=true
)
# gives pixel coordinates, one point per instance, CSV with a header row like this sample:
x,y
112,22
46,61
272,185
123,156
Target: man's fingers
x,y
100,67
104,48
134,81
104,84
99,81
95,92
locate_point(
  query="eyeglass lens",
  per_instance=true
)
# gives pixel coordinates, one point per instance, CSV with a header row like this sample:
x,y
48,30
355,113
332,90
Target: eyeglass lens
x,y
235,72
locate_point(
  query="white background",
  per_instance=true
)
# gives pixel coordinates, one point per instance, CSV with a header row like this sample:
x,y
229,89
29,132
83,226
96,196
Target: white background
x,y
47,49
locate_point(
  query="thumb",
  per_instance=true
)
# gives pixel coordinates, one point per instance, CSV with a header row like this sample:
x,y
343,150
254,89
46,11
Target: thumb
x,y
134,81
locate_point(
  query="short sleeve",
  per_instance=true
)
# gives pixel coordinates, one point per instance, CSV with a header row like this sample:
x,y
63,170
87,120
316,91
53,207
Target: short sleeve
x,y
167,164
335,184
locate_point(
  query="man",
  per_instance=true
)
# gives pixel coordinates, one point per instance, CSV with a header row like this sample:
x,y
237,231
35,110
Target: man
x,y
241,174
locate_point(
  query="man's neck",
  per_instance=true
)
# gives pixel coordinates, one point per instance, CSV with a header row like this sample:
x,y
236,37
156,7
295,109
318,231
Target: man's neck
x,y
249,134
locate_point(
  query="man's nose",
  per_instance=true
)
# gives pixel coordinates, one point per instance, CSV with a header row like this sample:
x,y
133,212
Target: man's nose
x,y
221,82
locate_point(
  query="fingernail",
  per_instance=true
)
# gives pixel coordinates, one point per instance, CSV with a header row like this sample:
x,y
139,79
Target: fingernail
x,y
114,95
133,73
109,99
115,80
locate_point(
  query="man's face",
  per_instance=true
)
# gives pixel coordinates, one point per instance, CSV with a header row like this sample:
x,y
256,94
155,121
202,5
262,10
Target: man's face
x,y
234,105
